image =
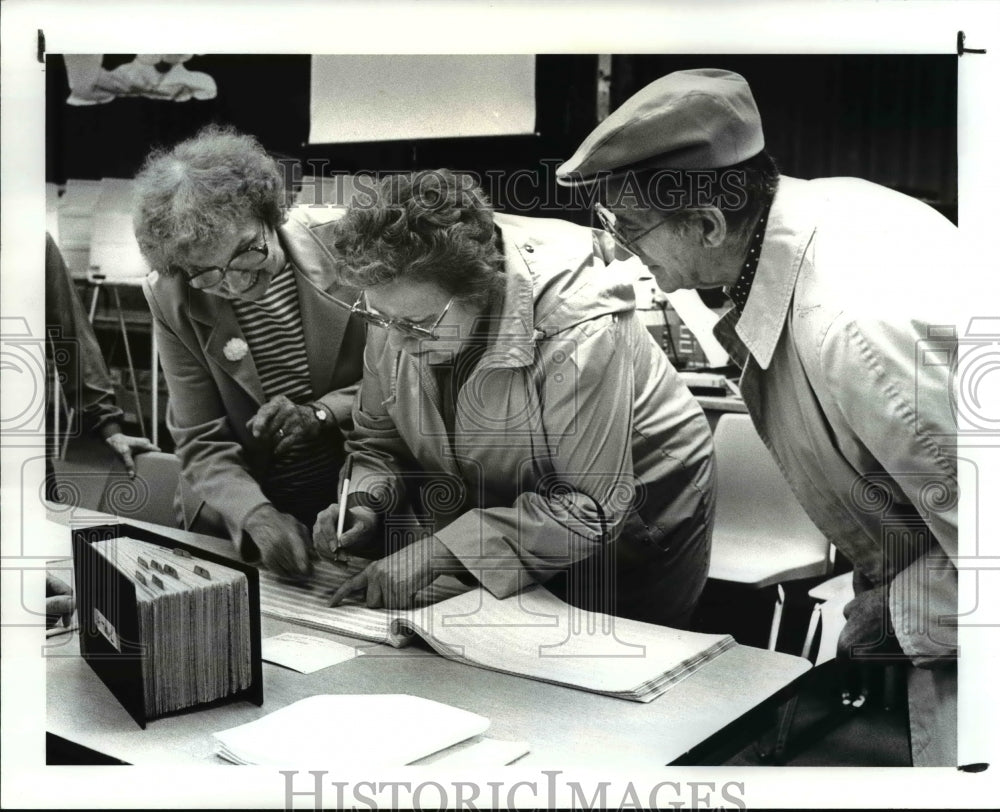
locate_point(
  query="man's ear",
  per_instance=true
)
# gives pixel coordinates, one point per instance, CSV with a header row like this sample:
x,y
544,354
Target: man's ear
x,y
711,224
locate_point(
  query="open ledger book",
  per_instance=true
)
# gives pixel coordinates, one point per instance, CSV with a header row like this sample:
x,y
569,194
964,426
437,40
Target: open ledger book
x,y
532,634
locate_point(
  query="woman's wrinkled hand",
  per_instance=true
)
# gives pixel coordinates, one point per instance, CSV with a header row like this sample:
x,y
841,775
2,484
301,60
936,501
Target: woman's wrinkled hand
x,y
362,533
393,581
283,424
283,541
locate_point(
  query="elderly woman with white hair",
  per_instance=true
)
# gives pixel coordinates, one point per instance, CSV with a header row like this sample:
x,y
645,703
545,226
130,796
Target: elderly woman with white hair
x,y
261,367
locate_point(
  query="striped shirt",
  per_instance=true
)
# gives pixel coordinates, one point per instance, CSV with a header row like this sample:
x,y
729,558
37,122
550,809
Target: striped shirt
x,y
303,480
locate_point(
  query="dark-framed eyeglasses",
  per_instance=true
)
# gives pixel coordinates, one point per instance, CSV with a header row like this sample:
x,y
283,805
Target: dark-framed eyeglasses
x,y
407,328
241,263
609,222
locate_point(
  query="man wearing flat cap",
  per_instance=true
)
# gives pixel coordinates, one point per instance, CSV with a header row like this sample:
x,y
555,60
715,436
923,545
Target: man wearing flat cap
x,y
839,288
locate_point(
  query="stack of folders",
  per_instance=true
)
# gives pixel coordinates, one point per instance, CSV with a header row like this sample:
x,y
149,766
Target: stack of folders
x,y
193,619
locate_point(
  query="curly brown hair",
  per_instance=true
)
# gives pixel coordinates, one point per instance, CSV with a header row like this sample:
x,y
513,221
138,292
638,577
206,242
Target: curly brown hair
x,y
187,195
429,226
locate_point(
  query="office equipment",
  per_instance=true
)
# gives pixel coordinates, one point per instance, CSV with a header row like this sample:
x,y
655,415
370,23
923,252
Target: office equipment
x,y
762,536
532,634
699,319
705,383
350,731
164,625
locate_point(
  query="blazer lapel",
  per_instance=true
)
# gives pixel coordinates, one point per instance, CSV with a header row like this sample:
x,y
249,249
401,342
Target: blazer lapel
x,y
323,321
219,326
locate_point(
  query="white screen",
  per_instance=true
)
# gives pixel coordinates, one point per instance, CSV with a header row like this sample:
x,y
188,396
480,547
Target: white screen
x,y
401,96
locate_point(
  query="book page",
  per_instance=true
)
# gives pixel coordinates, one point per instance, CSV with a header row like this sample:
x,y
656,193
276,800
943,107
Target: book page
x,y
534,634
308,603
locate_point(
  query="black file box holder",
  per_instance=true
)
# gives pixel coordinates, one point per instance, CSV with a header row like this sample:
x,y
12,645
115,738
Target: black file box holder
x,y
105,598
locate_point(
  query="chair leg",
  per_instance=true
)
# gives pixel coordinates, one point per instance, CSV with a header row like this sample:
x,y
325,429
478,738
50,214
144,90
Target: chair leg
x,y
786,713
814,619
131,366
779,608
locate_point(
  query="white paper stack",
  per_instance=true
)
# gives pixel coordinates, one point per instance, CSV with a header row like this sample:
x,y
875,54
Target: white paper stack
x,y
349,731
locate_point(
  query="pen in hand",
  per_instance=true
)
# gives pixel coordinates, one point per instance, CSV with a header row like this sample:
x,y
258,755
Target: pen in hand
x,y
339,556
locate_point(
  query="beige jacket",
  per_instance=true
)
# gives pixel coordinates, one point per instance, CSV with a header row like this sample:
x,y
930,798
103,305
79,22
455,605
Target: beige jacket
x,y
212,398
845,339
574,438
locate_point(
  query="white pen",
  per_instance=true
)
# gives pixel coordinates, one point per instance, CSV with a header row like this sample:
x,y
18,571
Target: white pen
x,y
338,553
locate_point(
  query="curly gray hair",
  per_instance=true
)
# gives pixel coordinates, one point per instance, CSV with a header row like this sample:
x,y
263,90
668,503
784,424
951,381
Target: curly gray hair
x,y
189,194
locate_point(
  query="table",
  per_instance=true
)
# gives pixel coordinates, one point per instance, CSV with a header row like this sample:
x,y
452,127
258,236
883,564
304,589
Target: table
x,y
717,710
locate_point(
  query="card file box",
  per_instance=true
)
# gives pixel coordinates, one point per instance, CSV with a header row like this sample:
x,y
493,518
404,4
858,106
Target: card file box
x,y
118,643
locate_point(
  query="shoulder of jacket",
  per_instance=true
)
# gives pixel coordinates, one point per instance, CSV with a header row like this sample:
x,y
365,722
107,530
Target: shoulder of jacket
x,y
541,230
159,287
314,217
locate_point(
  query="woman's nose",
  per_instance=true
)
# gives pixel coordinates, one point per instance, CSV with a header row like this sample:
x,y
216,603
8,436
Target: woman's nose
x,y
399,342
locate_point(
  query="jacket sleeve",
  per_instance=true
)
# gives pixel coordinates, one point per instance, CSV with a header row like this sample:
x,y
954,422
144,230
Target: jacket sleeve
x,y
583,439
88,385
211,456
899,406
340,402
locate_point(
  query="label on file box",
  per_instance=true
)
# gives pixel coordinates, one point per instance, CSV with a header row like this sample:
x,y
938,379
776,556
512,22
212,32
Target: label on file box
x,y
105,628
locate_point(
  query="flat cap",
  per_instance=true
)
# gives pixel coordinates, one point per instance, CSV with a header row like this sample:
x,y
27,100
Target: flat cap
x,y
690,119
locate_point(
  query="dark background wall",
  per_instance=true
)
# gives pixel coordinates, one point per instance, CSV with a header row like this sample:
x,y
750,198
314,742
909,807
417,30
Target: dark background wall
x,y
887,118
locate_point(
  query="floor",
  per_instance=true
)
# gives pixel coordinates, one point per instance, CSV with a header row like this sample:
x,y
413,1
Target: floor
x,y
823,732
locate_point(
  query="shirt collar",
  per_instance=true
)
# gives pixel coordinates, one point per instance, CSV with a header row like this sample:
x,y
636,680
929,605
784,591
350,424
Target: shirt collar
x,y
740,290
790,227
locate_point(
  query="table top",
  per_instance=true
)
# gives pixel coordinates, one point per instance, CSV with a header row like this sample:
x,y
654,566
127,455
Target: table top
x,y
563,727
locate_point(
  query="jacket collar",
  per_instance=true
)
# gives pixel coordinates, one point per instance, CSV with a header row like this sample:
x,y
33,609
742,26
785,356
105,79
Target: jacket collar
x,y
516,334
790,228
550,287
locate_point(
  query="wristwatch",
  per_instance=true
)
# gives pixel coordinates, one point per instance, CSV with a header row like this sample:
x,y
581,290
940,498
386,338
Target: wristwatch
x,y
322,413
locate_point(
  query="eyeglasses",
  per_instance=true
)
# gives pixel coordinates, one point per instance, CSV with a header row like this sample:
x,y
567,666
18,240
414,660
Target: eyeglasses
x,y
242,262
407,328
609,222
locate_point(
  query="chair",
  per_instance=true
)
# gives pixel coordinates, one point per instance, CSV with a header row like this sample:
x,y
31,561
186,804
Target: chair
x,y
830,597
150,496
763,538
